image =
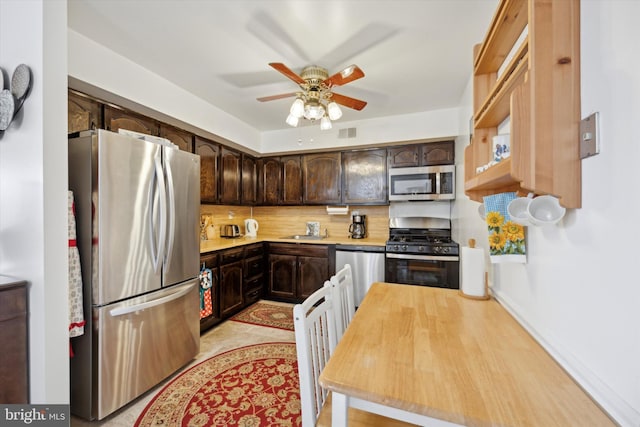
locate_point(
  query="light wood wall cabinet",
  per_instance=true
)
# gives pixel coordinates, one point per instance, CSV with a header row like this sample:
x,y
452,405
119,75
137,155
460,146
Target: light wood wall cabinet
x,y
539,89
209,169
321,178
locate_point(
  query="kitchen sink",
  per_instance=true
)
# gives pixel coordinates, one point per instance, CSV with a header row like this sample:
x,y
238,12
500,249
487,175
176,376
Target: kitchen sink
x,y
303,237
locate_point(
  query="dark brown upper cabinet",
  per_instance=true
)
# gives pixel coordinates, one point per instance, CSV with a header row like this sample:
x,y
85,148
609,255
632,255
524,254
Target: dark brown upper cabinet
x,y
209,169
269,181
83,113
291,180
438,153
230,181
115,119
365,177
183,139
249,180
321,178
427,154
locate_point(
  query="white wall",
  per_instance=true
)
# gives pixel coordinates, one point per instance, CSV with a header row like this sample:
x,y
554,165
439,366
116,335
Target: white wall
x,y
579,291
428,124
98,66
33,187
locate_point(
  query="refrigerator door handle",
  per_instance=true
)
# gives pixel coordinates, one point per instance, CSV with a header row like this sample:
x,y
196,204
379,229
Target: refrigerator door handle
x,y
121,311
157,239
172,212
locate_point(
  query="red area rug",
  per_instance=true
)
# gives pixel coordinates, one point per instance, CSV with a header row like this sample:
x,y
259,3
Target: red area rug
x,y
266,314
251,386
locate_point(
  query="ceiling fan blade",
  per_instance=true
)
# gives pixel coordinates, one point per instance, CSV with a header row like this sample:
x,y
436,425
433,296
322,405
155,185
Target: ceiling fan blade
x,y
266,29
349,102
349,74
274,97
287,72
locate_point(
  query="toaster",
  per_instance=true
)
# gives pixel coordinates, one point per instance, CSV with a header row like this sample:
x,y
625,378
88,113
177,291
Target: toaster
x,y
229,230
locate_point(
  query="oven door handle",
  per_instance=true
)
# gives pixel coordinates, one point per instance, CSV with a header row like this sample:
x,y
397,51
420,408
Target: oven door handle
x,y
423,257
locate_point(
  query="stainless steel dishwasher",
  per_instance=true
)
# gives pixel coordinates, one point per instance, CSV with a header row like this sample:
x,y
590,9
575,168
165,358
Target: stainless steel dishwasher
x,y
367,265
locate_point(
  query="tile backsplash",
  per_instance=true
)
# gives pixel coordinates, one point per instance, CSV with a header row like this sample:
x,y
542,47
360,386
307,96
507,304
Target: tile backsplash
x,y
287,220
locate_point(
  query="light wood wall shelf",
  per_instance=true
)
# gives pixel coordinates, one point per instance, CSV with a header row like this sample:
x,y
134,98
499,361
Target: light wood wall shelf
x,y
538,89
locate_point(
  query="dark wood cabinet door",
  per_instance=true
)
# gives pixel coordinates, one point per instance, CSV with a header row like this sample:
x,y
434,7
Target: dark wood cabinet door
x,y
283,276
313,272
14,371
83,113
321,178
438,153
230,288
270,181
291,180
209,173
230,176
115,119
365,177
182,138
249,180
405,156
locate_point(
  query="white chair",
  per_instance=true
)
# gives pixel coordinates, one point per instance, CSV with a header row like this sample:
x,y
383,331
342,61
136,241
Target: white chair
x,y
341,285
315,333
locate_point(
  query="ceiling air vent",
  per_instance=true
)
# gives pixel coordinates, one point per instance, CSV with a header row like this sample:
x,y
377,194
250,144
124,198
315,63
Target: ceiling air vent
x,y
347,133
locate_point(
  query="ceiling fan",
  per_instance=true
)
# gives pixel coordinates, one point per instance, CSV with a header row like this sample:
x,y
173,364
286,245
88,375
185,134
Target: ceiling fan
x,y
316,100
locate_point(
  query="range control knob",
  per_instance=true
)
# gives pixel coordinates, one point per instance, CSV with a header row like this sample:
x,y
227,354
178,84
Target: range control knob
x,y
404,247
420,248
396,248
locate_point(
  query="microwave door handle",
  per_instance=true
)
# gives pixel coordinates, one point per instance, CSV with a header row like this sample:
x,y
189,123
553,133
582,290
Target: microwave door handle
x,y
438,182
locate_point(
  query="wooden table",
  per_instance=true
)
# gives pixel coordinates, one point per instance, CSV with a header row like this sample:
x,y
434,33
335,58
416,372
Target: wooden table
x,y
432,357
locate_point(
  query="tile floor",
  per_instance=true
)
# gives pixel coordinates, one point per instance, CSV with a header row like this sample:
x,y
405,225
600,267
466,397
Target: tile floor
x,y
225,336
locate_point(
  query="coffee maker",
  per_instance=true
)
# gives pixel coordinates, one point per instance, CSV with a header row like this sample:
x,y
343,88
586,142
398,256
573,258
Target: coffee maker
x,y
357,228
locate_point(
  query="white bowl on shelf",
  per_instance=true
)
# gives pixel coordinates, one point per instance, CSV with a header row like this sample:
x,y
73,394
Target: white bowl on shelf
x,y
545,210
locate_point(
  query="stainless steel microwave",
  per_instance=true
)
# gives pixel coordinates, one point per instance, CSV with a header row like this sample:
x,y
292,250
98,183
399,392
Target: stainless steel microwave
x,y
422,183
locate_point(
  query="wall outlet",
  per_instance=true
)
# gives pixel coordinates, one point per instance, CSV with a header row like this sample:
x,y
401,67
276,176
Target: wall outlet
x,y
589,138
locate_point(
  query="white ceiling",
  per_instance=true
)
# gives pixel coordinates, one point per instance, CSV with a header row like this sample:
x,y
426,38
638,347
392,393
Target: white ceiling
x,y
416,54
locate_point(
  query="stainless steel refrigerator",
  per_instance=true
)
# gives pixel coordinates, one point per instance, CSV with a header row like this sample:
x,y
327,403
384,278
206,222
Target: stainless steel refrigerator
x,y
137,211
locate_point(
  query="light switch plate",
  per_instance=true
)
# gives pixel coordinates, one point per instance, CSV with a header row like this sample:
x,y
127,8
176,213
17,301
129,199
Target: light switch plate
x,y
589,138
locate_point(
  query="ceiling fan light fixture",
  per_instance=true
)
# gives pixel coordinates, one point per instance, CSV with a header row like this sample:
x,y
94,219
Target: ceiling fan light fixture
x,y
292,120
313,110
334,111
325,123
297,108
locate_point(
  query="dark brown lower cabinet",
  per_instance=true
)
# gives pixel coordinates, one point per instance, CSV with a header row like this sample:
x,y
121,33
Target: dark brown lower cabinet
x,y
231,281
297,270
14,377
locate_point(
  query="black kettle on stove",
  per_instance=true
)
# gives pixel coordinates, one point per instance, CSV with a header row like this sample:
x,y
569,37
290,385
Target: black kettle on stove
x,y
357,228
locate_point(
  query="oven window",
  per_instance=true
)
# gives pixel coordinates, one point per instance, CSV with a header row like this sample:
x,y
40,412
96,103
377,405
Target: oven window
x,y
441,274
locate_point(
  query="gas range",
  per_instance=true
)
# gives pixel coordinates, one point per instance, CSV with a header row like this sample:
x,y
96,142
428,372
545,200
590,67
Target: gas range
x,y
421,242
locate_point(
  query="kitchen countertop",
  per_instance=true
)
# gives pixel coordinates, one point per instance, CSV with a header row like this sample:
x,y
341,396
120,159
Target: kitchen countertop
x,y
225,243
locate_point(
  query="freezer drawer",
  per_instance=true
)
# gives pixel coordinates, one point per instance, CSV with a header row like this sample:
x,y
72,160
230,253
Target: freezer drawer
x,y
142,341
